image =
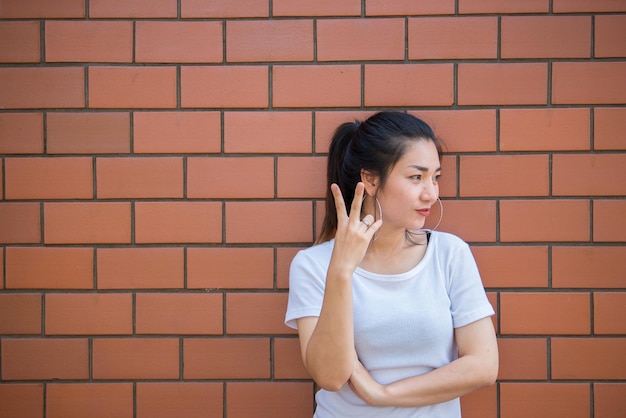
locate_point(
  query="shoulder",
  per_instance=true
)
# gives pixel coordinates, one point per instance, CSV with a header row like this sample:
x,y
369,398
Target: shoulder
x,y
318,254
448,241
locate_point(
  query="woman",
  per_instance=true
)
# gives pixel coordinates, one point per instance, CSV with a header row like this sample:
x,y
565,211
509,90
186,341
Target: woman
x,y
393,319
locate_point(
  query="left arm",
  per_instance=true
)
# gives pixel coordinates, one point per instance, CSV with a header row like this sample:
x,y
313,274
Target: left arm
x,y
477,366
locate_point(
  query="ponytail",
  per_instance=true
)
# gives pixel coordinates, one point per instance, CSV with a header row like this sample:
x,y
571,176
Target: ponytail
x,y
337,153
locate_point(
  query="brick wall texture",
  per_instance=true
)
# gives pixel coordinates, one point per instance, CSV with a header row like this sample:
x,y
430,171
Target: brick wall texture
x,y
161,161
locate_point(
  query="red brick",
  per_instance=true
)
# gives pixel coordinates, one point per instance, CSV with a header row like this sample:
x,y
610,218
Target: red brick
x,y
502,84
20,313
587,168
21,133
21,400
409,7
448,183
316,8
503,6
176,132
409,85
610,33
360,39
138,178
89,41
178,222
269,399
607,308
140,268
178,399
609,399
463,130
230,177
555,129
19,223
87,223
546,36
230,268
501,175
481,403
174,313
88,133
224,8
327,121
588,267
132,87
578,6
472,220
89,314
545,313
523,359
608,126
453,37
45,359
609,220
48,178
2,278
95,400
544,220
224,86
256,313
135,358
267,132
42,9
588,82
295,179
288,359
132,8
544,400
19,42
268,222
231,358
44,87
269,40
284,256
178,42
49,268
316,86
512,266
588,358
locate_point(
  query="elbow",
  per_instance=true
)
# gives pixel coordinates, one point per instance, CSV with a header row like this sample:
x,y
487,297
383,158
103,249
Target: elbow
x,y
331,383
488,372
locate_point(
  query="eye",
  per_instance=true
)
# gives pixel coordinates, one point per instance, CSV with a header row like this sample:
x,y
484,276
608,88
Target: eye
x,y
416,177
436,179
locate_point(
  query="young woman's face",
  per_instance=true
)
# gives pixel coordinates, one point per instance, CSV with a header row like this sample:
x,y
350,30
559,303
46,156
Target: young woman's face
x,y
411,187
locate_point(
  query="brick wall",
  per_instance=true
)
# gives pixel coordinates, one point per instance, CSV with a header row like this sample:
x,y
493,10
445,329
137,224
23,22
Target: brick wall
x,y
163,160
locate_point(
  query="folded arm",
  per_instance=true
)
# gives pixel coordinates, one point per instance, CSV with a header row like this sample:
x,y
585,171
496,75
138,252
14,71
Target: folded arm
x,y
476,366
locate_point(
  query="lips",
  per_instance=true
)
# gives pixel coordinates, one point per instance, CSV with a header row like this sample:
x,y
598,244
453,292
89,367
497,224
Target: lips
x,y
424,212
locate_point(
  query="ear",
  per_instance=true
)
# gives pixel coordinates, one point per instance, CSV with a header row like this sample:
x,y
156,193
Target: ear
x,y
371,182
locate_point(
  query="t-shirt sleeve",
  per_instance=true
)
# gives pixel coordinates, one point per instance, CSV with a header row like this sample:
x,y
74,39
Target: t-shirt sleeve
x,y
468,299
306,288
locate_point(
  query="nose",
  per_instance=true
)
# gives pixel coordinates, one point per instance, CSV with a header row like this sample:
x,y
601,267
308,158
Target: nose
x,y
430,192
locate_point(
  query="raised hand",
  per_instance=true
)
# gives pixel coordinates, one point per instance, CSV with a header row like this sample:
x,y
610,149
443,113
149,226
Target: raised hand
x,y
353,234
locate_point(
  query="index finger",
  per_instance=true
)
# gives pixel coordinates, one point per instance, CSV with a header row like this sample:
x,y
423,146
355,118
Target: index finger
x,y
340,204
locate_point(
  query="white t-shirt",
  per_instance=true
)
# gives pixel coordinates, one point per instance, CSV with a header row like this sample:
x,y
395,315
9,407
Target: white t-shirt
x,y
403,323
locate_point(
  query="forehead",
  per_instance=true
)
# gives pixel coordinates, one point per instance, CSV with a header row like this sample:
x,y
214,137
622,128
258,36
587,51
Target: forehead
x,y
422,153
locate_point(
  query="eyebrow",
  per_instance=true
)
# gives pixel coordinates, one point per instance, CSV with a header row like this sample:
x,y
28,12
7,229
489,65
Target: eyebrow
x,y
423,169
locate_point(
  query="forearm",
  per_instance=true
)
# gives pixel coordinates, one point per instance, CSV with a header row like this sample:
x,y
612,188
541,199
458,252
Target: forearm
x,y
330,352
451,381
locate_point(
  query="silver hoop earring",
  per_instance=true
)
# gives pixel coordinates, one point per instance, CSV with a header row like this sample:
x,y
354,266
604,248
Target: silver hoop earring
x,y
424,231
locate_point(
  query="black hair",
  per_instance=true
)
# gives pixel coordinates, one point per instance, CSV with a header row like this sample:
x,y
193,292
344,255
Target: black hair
x,y
374,145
